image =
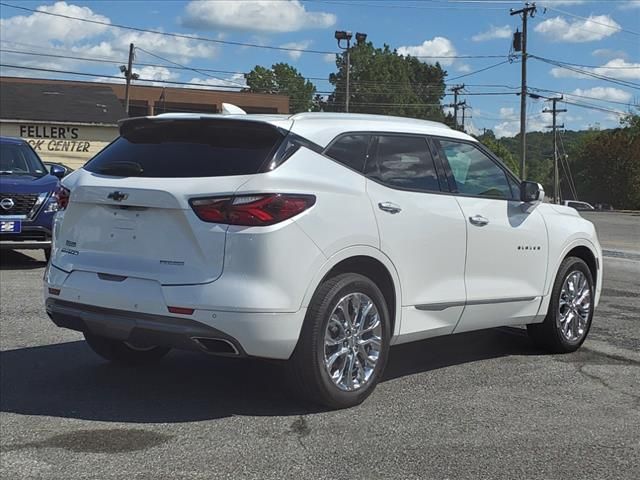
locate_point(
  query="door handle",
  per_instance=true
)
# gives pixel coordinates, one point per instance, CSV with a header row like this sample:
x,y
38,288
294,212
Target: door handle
x,y
389,207
478,220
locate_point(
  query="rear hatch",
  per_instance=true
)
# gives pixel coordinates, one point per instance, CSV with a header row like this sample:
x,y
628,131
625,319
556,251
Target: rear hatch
x,y
129,213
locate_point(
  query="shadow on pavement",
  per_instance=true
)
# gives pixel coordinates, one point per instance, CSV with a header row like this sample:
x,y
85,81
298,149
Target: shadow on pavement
x,y
13,260
68,380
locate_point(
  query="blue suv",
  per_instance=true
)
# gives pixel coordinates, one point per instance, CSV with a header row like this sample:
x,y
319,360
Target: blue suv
x,y
29,197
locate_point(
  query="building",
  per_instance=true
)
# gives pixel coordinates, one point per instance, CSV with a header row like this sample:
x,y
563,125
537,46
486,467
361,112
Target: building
x,y
69,122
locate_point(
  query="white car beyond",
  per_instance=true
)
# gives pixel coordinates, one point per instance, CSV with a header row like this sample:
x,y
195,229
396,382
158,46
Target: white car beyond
x,y
319,239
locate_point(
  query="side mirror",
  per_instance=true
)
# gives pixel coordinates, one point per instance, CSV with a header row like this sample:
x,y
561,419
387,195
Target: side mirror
x,y
531,192
57,171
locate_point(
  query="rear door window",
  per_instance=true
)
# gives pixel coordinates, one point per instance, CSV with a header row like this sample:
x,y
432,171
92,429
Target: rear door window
x,y
188,148
403,161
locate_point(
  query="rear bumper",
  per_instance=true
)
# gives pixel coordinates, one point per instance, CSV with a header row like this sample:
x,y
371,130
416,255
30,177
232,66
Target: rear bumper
x,y
136,310
142,329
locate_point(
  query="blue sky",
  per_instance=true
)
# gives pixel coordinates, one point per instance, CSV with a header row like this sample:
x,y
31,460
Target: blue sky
x,y
602,36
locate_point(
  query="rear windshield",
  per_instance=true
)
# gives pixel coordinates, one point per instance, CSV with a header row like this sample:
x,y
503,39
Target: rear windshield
x,y
188,148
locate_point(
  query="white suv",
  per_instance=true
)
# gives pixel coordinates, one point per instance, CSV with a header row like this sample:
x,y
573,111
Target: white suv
x,y
320,239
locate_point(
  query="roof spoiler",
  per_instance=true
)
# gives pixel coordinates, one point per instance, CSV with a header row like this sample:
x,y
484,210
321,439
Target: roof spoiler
x,y
231,109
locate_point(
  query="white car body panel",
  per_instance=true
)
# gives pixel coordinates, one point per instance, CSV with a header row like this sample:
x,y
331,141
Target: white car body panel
x,y
256,283
427,241
505,263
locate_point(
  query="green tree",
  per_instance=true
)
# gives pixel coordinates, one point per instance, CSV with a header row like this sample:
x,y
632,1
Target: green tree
x,y
283,79
383,82
608,165
500,150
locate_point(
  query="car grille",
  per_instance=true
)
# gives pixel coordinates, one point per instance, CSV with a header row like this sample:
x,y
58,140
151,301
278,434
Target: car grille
x,y
22,203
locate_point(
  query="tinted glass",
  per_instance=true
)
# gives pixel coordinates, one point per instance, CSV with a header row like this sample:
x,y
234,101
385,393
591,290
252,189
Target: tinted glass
x,y
20,160
474,172
405,162
350,150
187,148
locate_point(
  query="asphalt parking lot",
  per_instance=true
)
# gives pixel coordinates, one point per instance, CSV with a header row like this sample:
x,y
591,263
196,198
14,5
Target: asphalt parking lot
x,y
478,405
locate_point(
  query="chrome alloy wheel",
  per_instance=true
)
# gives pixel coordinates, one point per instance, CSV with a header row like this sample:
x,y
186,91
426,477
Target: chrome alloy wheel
x,y
574,306
352,341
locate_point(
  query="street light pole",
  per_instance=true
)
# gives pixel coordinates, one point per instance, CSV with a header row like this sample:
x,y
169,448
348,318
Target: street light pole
x,y
341,35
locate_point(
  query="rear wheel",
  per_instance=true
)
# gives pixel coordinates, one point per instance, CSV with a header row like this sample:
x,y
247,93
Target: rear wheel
x,y
344,342
124,353
570,312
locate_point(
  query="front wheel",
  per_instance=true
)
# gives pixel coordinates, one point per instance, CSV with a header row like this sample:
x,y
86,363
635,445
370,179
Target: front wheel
x,y
344,343
124,353
570,312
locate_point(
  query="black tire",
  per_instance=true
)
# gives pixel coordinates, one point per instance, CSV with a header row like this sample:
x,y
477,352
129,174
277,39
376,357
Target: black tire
x,y
47,254
307,372
122,353
548,335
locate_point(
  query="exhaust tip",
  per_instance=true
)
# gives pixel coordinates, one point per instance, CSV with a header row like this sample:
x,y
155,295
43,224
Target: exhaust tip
x,y
217,346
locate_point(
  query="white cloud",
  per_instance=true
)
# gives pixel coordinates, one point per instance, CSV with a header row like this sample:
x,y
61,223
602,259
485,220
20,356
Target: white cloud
x,y
62,36
536,122
176,48
438,49
295,54
38,28
604,93
255,15
630,5
617,68
493,33
231,83
596,27
329,58
609,53
463,68
559,3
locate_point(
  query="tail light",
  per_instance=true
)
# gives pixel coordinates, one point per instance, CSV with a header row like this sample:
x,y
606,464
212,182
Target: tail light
x,y
59,200
251,210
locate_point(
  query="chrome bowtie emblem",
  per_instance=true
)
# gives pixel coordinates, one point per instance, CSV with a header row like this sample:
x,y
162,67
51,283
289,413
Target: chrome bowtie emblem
x,y
118,196
7,203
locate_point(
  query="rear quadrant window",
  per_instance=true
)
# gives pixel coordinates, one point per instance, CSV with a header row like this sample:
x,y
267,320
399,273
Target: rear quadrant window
x,y
350,150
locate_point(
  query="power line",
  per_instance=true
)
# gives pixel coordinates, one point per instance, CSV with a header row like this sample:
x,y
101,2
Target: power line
x,y
479,71
166,34
606,78
202,72
177,66
618,29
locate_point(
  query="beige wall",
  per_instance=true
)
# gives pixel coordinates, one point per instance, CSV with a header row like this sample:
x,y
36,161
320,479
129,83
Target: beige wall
x,y
71,144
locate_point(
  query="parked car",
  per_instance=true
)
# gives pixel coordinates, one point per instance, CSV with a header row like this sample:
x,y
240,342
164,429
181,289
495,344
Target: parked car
x,y
66,169
578,205
318,239
29,197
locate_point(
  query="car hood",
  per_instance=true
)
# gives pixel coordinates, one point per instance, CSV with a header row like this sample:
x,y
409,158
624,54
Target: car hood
x,y
27,183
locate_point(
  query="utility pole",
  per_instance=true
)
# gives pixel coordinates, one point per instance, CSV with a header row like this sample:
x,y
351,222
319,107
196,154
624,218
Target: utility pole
x,y
555,111
455,105
464,108
128,75
528,10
